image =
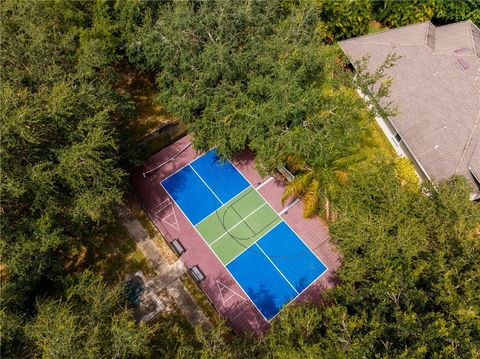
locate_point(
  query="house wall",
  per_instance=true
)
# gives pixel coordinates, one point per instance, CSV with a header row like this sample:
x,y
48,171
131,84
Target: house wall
x,y
390,132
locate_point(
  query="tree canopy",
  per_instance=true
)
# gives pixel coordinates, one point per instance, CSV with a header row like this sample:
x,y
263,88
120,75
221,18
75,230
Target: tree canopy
x,y
276,88
92,321
400,13
59,145
262,75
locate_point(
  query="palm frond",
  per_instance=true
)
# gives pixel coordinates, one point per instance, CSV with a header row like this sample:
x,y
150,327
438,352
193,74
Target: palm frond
x,y
311,199
341,176
294,163
326,209
298,186
347,161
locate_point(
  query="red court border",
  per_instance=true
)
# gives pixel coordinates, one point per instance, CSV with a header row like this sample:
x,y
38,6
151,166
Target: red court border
x,y
222,290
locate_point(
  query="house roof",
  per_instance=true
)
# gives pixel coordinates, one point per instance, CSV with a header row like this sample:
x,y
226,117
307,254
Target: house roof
x,y
436,88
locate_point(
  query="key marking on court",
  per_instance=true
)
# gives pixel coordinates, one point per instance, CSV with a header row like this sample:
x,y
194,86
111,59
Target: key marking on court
x,y
243,220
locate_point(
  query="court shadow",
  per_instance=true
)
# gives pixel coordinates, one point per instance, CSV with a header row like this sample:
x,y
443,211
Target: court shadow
x,y
234,306
179,184
315,294
246,157
303,283
264,300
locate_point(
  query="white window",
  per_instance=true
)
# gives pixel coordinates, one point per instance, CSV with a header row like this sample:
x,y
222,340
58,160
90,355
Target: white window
x,y
397,138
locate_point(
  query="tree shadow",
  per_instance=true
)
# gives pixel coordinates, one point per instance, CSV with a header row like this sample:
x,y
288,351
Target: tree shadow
x,y
113,254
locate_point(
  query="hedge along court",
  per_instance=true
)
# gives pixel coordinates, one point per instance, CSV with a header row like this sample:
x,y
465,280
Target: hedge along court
x,y
263,261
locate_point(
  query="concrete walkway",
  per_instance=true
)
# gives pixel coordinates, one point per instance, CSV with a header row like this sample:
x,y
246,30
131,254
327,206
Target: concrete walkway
x,y
168,275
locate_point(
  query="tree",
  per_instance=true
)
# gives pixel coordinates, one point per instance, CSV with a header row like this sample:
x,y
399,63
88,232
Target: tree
x,y
400,13
59,172
318,187
346,19
92,321
256,75
400,258
453,11
12,334
98,43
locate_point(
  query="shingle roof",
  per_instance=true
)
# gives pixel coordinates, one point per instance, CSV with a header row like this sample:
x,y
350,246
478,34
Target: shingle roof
x,y
436,87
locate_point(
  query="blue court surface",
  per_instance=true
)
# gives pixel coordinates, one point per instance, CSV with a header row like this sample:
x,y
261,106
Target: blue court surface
x,y
262,253
204,186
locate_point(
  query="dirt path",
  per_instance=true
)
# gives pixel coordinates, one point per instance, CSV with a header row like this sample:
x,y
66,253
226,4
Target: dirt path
x,y
168,275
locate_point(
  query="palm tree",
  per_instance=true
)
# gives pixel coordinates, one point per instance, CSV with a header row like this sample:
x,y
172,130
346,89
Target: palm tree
x,y
318,187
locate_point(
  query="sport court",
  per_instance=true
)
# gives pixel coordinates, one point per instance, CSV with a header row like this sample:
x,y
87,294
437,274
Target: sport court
x,y
267,259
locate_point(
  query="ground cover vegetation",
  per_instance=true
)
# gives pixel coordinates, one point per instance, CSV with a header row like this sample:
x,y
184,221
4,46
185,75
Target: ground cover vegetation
x,y
260,75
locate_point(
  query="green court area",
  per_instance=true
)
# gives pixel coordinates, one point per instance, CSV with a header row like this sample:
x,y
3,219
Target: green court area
x,y
237,224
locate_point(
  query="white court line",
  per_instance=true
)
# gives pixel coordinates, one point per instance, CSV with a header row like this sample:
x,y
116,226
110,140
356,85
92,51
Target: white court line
x,y
229,289
241,311
238,255
205,183
243,220
234,199
261,184
196,158
225,265
316,256
156,209
215,254
281,219
279,271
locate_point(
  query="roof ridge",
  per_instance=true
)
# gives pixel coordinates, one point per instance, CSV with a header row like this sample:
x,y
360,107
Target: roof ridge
x,y
388,30
454,54
470,31
472,42
473,26
468,143
472,23
387,44
427,33
457,22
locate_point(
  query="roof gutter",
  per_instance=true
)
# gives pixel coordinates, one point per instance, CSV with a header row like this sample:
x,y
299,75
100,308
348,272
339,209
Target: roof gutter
x,y
477,178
